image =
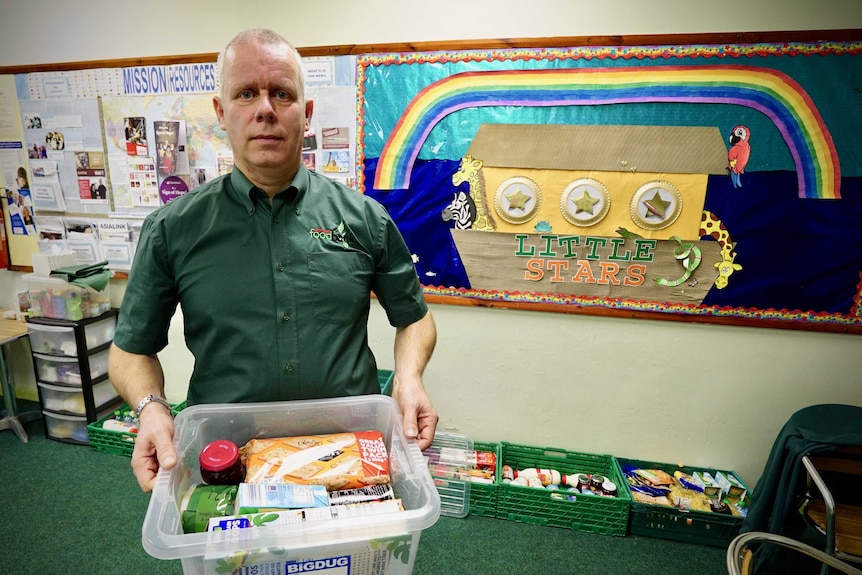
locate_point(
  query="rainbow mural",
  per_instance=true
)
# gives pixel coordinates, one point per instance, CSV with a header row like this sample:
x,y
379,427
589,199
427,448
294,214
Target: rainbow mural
x,y
771,92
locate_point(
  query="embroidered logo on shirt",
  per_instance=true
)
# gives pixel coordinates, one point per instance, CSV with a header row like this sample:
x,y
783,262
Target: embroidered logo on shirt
x,y
336,235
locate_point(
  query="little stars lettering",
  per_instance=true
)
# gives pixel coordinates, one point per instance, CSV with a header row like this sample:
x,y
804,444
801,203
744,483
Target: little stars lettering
x,y
586,259
338,235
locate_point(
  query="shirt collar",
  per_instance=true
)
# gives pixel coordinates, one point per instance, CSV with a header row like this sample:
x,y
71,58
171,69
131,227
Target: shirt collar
x,y
246,191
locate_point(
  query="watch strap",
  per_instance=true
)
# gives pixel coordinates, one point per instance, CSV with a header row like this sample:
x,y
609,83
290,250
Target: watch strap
x,y
152,398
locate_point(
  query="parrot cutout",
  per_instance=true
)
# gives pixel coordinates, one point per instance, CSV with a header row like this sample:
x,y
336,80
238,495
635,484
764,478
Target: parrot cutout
x,y
737,155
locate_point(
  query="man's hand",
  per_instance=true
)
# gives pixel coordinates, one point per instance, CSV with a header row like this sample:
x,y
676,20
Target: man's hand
x,y
420,417
154,447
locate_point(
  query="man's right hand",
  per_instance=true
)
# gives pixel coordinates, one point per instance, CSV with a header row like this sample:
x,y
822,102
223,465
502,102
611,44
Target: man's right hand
x,y
154,448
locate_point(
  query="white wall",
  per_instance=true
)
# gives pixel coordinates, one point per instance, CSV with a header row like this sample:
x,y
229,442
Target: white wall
x,y
655,390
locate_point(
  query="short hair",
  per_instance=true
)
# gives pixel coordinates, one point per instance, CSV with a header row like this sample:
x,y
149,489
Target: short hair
x,y
264,37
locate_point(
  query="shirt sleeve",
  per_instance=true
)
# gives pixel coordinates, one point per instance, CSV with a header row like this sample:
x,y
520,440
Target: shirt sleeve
x,y
150,299
396,284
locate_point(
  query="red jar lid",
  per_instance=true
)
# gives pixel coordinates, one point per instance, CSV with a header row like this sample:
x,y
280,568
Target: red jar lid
x,y
219,455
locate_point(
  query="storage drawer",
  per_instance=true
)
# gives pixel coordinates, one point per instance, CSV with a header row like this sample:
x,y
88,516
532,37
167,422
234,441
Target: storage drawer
x,y
70,400
54,369
53,339
69,427
60,340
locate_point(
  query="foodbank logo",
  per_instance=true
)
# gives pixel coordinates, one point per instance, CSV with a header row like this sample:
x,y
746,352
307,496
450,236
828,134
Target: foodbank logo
x,y
337,235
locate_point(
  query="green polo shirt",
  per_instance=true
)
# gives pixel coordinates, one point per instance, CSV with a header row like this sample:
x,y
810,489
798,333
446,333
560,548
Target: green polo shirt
x,y
275,299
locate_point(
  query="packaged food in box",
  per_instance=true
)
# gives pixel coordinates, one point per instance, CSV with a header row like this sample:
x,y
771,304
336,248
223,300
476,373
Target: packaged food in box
x,y
384,544
673,517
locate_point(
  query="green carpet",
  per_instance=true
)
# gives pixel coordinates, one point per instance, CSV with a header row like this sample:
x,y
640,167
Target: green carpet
x,y
71,510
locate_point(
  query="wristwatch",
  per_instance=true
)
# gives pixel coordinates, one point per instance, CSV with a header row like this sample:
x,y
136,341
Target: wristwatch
x,y
149,399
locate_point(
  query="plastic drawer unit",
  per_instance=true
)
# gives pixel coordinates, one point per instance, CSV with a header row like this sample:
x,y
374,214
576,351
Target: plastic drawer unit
x,y
70,359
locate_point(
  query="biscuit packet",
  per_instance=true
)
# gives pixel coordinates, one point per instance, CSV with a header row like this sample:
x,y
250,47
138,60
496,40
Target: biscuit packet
x,y
349,460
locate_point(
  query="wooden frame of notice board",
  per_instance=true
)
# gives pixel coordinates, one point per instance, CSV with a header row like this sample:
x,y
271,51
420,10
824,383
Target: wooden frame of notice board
x,y
595,175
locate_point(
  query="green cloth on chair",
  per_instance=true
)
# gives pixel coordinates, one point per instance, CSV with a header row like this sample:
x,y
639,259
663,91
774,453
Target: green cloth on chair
x,y
93,276
817,428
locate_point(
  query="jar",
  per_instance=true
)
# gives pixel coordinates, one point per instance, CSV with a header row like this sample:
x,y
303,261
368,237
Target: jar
x,y
596,483
583,482
220,463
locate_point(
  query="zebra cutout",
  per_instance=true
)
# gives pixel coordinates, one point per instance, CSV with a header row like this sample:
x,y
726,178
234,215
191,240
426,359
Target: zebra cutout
x,y
462,210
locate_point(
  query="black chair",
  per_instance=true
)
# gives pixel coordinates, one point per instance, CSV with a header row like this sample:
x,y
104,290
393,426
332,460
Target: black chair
x,y
740,556
811,432
833,500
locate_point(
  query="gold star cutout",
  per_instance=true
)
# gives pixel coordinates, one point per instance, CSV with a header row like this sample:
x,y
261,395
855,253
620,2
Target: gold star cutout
x,y
518,200
585,203
656,206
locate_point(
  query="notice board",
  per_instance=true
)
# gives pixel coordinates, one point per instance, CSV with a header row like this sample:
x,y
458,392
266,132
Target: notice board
x,y
711,178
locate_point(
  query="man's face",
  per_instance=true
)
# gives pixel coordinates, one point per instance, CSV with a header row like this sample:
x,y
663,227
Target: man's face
x,y
263,113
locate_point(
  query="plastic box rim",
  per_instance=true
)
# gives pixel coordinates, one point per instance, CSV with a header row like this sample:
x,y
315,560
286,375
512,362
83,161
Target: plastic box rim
x,y
163,545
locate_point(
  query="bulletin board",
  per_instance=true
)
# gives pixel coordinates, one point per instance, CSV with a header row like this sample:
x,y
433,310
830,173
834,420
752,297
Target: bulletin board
x,y
702,182
713,178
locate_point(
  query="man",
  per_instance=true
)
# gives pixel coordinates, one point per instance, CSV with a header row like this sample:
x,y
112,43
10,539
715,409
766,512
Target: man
x,y
273,267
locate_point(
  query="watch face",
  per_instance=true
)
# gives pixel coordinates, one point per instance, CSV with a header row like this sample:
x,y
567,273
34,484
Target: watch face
x,y
655,205
585,202
517,200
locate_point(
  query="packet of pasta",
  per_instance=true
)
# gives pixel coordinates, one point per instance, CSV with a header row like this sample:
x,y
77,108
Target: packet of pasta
x,y
347,460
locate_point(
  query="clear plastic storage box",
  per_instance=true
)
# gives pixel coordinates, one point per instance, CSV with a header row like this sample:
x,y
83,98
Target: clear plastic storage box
x,y
378,545
49,297
70,400
53,369
70,428
60,340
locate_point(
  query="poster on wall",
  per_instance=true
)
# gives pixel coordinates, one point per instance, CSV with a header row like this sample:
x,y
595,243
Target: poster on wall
x,y
184,148
63,141
701,181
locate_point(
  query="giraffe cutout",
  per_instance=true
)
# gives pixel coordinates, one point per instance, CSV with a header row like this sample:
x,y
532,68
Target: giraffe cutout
x,y
468,172
711,225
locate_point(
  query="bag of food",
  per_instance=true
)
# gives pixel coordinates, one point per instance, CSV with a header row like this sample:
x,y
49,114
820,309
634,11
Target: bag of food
x,y
338,461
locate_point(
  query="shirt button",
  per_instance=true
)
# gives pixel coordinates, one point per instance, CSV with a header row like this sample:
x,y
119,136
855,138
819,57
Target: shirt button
x,y
288,367
285,317
281,267
275,221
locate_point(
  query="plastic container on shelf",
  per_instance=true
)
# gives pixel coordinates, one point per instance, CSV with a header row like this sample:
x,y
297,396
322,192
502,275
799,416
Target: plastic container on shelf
x,y
69,428
53,369
70,400
60,340
49,297
383,544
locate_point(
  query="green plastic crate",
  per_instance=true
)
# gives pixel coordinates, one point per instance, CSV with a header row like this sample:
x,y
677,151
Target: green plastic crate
x,y
385,378
591,513
689,526
123,443
483,496
116,442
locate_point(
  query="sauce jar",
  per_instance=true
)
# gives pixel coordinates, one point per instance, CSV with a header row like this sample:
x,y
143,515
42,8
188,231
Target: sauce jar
x,y
220,463
583,482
